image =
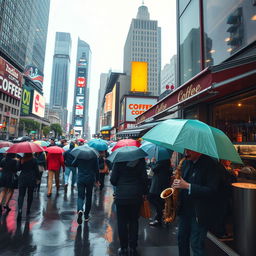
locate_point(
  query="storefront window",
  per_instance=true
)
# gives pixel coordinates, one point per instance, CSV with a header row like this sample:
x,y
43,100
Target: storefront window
x,y
189,48
228,26
237,119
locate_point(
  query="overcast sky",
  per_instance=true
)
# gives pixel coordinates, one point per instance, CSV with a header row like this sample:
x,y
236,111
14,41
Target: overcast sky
x,y
104,25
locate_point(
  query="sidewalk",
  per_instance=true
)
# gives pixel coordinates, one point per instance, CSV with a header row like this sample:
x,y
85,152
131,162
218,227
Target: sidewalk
x,y
52,229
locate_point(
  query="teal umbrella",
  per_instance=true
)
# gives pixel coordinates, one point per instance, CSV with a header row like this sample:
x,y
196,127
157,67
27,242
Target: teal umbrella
x,y
181,134
98,144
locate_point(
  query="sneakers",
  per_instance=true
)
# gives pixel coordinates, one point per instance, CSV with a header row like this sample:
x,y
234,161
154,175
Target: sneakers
x,y
155,223
79,217
86,217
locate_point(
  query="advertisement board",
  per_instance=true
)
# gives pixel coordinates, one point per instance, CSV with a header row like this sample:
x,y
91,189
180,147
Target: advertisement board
x,y
81,82
79,100
34,74
79,110
139,76
38,105
26,101
135,106
108,102
10,80
80,91
78,121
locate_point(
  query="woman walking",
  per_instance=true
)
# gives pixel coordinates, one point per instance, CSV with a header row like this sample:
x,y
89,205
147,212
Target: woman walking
x,y
130,179
28,179
9,179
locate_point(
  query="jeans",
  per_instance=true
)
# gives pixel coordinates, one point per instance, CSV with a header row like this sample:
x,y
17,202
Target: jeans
x,y
22,193
67,173
191,233
128,225
82,187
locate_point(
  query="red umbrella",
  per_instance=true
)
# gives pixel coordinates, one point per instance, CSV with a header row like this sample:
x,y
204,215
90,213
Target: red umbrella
x,y
5,144
54,150
25,147
125,143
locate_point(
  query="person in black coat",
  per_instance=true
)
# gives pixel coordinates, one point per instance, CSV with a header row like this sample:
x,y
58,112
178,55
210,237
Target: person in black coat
x,y
9,179
41,161
130,179
28,179
198,206
160,181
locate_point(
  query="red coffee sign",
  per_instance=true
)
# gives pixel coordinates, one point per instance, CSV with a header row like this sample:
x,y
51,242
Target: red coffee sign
x,y
10,80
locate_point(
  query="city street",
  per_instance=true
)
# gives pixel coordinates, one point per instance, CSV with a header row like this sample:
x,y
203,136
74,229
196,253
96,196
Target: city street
x,y
52,228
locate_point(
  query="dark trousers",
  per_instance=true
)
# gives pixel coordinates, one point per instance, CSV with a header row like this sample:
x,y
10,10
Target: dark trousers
x,y
128,225
191,233
84,190
102,180
158,204
22,193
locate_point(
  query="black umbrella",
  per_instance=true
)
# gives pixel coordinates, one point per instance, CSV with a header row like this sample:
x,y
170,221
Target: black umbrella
x,y
126,154
22,139
84,153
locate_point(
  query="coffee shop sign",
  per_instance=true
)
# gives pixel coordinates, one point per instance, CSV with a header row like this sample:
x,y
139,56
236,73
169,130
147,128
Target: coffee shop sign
x,y
189,92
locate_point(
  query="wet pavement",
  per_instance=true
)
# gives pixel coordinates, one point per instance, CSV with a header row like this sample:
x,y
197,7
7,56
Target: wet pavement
x,y
52,229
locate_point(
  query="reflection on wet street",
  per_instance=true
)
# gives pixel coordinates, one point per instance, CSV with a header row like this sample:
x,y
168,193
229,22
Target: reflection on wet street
x,y
52,229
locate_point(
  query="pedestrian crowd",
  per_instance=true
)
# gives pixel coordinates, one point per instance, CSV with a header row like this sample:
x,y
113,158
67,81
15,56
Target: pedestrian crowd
x,y
139,172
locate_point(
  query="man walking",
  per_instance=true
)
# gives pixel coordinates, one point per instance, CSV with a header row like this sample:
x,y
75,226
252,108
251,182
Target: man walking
x,y
88,175
201,179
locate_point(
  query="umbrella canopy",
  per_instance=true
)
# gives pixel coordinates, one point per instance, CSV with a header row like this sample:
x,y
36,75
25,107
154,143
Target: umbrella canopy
x,y
126,154
157,152
126,143
22,139
42,143
3,150
54,150
181,134
84,152
98,144
25,147
5,144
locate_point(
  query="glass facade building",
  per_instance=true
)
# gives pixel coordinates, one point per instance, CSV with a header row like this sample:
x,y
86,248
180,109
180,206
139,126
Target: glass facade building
x,y
60,75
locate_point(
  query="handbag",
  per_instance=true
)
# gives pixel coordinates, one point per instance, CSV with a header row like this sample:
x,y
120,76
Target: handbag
x,y
145,209
105,170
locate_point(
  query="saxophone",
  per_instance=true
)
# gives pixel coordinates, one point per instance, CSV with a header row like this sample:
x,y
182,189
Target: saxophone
x,y
170,195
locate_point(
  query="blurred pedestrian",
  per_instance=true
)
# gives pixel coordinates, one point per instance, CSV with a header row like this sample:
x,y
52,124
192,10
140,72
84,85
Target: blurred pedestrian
x,y
41,161
160,181
88,175
9,179
28,179
198,206
68,160
104,167
54,164
52,142
63,143
130,179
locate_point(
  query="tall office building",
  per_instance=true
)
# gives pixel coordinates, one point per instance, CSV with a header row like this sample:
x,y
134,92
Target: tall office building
x,y
60,76
23,30
143,44
101,93
80,118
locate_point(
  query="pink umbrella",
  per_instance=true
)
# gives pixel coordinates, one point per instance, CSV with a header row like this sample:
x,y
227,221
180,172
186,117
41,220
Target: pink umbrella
x,y
25,147
125,143
5,144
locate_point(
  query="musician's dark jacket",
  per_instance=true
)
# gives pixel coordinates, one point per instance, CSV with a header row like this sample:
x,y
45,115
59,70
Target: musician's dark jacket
x,y
205,178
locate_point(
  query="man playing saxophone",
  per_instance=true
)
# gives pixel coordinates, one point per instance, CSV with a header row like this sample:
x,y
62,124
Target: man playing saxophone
x,y
198,201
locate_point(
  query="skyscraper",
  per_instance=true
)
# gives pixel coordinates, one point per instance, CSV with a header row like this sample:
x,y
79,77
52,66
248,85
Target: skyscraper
x,y
80,118
60,75
143,44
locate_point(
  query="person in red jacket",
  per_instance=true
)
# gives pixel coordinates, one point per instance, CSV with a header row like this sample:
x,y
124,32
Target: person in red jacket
x,y
54,163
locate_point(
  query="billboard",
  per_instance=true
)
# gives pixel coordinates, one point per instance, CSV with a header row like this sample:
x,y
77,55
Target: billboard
x,y
135,106
80,91
108,102
81,81
38,105
139,76
79,100
10,80
78,121
79,110
26,100
34,74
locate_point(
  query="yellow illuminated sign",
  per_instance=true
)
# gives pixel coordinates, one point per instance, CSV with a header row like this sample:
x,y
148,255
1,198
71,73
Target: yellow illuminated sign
x,y
139,77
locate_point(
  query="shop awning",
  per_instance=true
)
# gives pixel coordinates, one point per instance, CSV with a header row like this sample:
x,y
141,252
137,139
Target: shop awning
x,y
137,132
210,84
106,128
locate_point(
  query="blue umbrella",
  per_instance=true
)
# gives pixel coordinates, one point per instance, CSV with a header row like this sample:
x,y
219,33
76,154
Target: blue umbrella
x,y
98,144
157,152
